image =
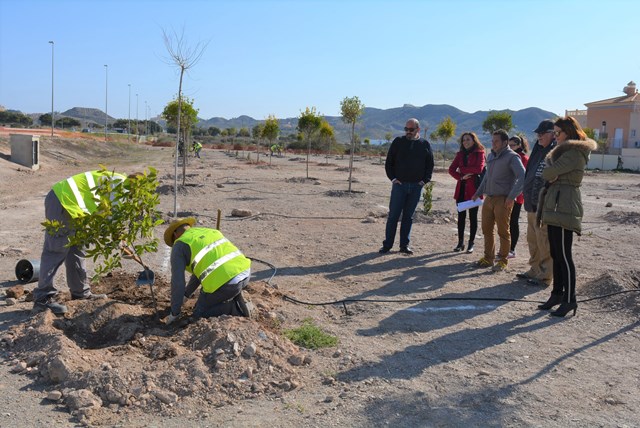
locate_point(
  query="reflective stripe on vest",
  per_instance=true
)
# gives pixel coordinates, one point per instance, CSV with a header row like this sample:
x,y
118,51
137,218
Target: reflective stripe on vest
x,y
214,260
77,194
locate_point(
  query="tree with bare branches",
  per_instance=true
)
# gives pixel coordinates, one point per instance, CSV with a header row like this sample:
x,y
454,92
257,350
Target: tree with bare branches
x,y
184,57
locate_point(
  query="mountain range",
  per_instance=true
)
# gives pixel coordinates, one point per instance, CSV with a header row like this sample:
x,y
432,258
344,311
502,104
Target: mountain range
x,y
373,124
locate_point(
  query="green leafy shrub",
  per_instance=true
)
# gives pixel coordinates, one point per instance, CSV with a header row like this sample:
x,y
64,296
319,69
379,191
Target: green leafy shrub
x,y
428,197
125,216
310,336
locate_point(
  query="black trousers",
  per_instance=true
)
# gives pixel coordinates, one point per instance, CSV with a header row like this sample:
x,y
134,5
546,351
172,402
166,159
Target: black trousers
x,y
223,301
473,224
514,226
564,271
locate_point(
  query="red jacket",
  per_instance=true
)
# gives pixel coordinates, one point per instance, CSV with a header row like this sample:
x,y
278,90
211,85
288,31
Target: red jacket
x,y
525,160
475,164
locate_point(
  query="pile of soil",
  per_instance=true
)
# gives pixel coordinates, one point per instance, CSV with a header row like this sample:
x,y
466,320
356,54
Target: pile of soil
x,y
623,217
116,355
620,292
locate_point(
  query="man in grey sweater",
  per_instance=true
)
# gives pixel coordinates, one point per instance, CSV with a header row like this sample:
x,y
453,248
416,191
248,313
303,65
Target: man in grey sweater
x,y
501,184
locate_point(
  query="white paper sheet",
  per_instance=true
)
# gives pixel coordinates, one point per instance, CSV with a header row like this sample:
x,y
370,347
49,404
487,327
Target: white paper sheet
x,y
462,206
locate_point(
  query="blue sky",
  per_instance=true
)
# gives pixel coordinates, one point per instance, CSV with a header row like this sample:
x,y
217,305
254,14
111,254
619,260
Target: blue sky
x,y
278,57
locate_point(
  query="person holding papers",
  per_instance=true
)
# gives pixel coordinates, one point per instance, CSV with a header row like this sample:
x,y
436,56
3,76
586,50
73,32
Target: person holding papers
x,y
466,169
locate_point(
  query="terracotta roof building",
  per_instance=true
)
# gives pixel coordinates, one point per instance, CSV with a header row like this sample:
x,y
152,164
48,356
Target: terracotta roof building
x,y
617,119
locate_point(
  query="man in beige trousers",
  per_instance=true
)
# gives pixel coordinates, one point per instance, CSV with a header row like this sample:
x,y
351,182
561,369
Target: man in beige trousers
x,y
541,265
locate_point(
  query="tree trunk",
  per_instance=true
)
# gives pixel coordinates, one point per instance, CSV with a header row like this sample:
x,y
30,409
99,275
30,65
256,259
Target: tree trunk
x,y
175,177
353,144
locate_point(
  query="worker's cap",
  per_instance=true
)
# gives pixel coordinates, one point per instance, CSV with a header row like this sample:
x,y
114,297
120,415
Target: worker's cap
x,y
545,126
168,234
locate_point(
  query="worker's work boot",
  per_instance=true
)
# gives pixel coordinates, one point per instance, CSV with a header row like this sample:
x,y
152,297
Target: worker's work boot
x,y
90,296
52,305
245,307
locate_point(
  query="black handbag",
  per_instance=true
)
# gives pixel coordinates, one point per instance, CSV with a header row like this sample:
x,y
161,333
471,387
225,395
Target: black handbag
x,y
480,177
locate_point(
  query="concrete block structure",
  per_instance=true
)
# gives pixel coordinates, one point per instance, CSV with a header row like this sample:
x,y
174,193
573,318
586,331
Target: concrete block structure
x,y
25,150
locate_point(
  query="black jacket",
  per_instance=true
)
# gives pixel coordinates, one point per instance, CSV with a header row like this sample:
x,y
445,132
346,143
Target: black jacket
x,y
533,181
409,161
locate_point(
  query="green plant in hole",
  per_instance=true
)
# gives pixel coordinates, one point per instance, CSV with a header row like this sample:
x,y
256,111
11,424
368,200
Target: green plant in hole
x,y
428,197
310,336
125,216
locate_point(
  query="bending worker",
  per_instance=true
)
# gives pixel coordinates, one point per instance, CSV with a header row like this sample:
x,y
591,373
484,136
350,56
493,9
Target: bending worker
x,y
214,262
68,199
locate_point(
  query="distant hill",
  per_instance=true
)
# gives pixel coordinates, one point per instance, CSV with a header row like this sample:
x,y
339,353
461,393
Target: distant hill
x,y
375,123
85,114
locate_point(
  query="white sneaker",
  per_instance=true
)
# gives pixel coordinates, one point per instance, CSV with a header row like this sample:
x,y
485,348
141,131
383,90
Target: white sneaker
x,y
512,255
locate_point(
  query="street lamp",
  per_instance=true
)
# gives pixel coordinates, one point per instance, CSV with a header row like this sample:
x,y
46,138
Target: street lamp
x,y
51,41
145,118
129,123
106,92
137,122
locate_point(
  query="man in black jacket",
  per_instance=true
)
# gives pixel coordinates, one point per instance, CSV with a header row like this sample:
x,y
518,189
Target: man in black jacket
x,y
541,270
409,166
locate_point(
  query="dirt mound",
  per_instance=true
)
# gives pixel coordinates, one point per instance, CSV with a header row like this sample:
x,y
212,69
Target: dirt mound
x,y
624,288
434,217
622,217
115,355
300,180
343,193
186,190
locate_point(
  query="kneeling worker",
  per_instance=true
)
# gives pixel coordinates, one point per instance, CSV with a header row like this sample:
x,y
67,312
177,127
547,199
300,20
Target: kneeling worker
x,y
214,262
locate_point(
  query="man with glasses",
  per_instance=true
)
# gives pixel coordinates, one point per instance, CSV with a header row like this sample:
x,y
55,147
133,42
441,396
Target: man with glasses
x,y
541,265
409,166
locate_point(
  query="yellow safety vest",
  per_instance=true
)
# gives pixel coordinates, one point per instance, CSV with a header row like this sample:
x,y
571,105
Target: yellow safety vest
x,y
77,193
214,260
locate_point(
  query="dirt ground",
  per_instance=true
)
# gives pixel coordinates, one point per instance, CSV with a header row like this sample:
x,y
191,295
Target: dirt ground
x,y
481,355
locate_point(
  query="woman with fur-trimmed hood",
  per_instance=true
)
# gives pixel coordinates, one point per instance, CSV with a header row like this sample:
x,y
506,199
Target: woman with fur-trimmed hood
x,y
560,208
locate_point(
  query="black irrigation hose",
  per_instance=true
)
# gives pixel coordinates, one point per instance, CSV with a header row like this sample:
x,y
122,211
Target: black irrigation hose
x,y
344,302
292,216
270,193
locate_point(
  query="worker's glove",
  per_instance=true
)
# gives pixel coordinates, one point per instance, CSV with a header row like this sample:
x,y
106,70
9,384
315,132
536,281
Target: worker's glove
x,y
171,318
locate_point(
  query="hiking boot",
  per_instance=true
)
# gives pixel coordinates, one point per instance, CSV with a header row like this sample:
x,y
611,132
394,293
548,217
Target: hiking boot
x,y
483,262
499,266
90,296
245,307
539,282
52,305
526,275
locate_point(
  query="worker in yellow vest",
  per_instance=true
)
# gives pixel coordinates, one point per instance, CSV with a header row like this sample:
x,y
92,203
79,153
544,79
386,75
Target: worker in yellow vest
x,y
214,263
70,198
196,147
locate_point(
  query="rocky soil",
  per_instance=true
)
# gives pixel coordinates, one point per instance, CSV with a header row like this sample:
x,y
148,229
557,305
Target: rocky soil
x,y
424,340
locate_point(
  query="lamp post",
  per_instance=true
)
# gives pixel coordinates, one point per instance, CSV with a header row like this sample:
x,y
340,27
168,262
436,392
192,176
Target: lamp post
x,y
137,122
51,41
145,119
129,122
106,98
